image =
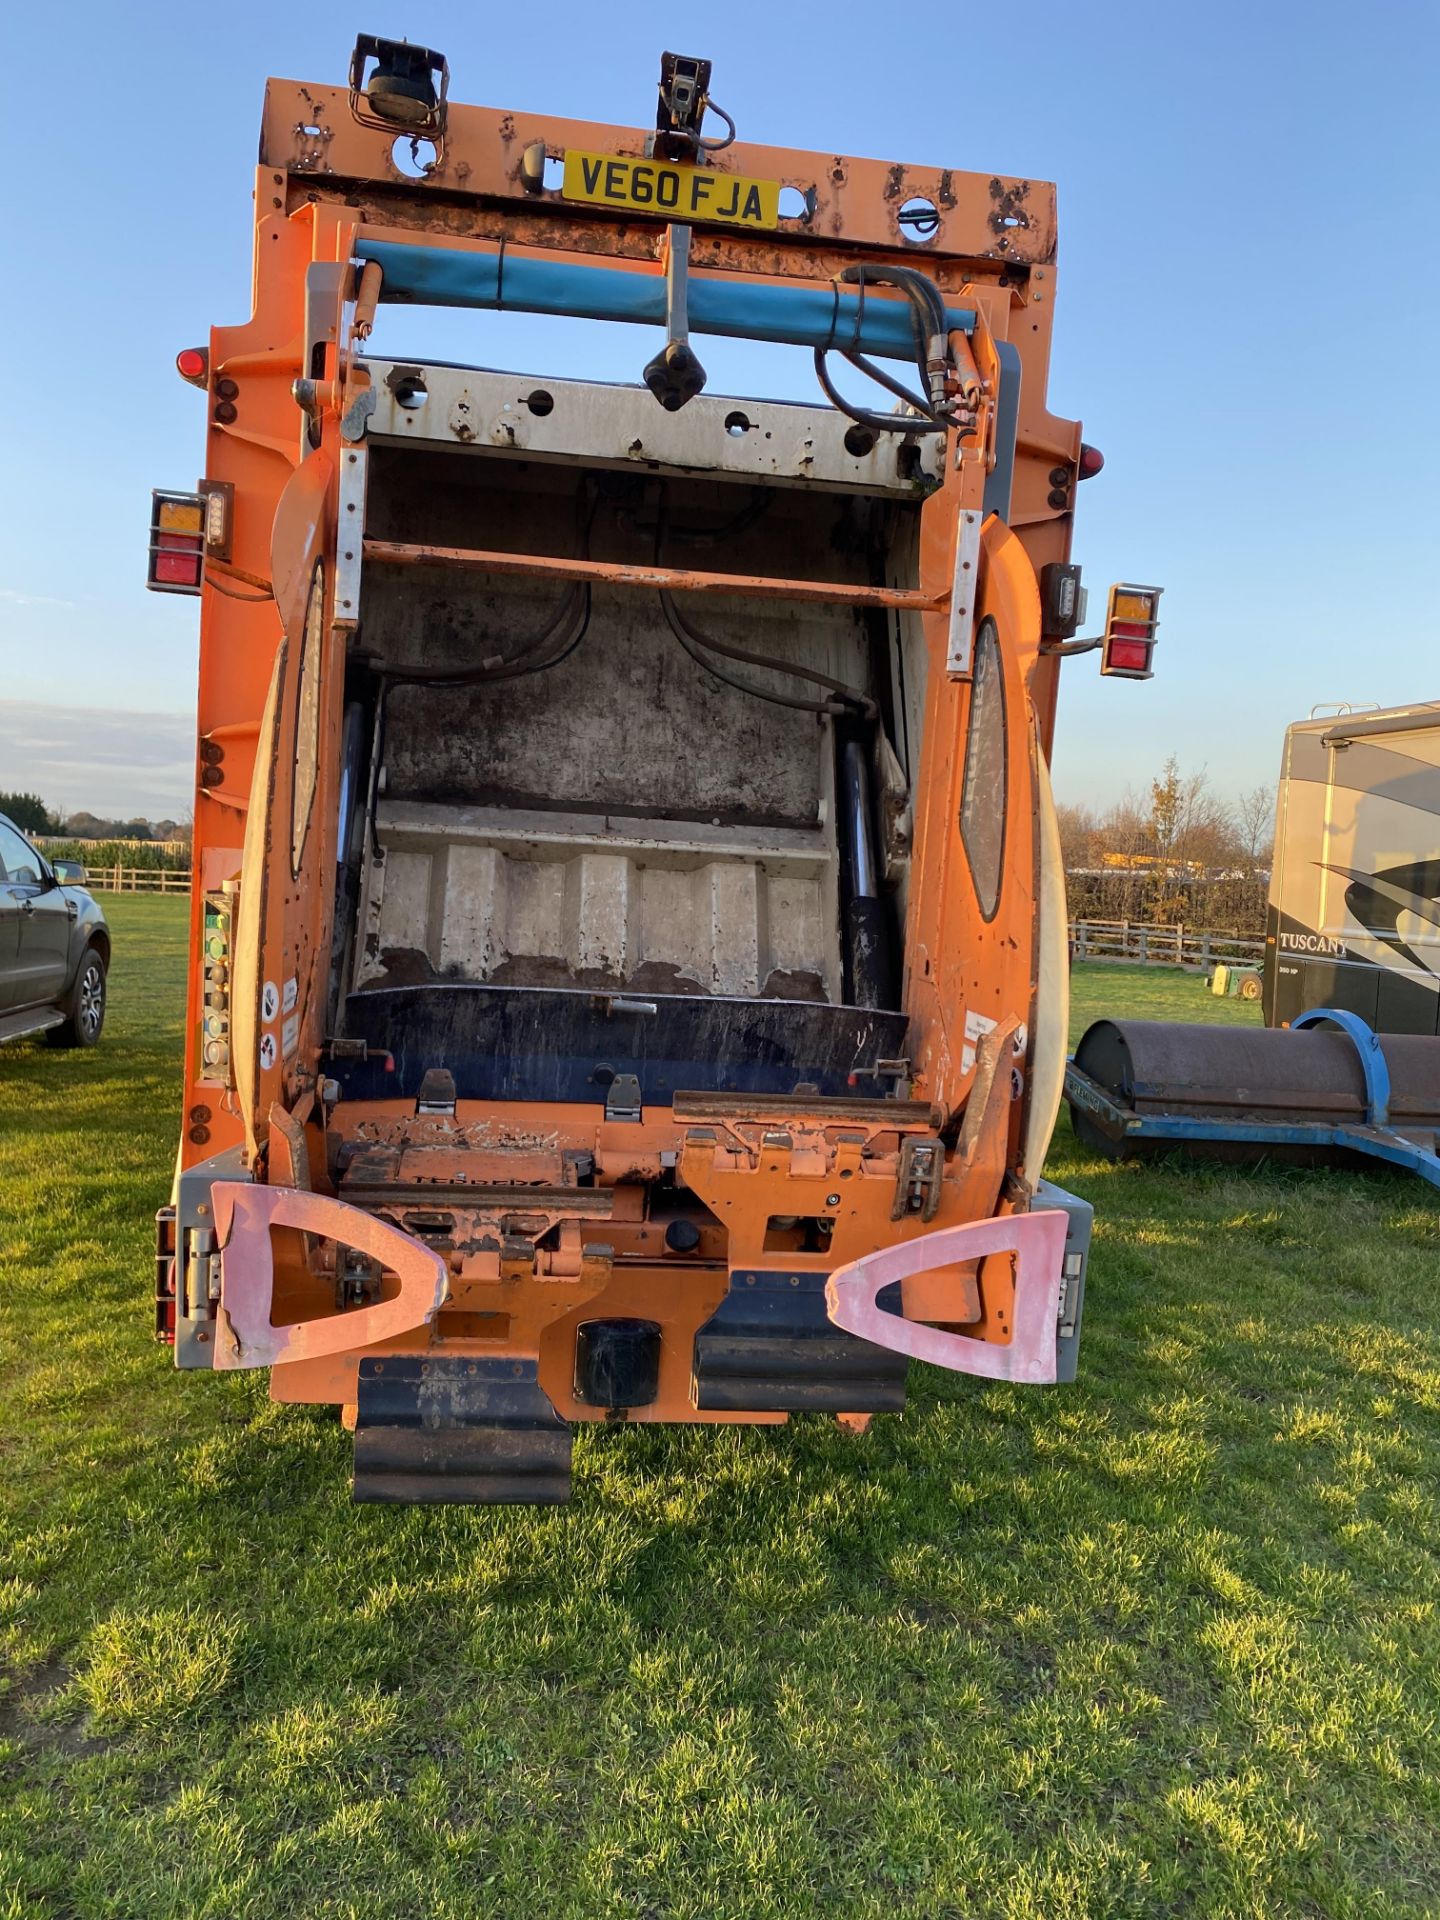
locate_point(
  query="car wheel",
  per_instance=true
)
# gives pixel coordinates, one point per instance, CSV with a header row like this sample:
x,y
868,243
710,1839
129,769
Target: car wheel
x,y
85,1008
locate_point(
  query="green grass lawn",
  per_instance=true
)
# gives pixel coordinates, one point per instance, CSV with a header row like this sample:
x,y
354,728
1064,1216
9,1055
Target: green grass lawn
x,y
1162,1643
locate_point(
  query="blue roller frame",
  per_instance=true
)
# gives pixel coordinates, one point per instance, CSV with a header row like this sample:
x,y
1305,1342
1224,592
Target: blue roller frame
x,y
739,309
1373,1063
1374,1137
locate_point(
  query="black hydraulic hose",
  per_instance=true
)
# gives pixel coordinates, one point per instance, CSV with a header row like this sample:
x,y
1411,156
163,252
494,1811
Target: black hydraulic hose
x,y
917,422
701,648
575,602
847,699
909,280
702,659
927,322
883,379
497,668
714,536
578,600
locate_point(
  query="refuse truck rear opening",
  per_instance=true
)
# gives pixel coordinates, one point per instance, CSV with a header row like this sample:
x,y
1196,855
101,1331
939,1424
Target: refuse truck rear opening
x,y
629,942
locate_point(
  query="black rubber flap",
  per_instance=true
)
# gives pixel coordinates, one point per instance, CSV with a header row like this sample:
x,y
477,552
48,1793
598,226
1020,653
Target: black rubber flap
x,y
617,1363
477,1432
770,1348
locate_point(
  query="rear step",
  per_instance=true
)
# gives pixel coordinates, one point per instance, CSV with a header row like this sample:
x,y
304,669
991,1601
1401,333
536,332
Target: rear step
x,y
19,1026
465,1432
770,1348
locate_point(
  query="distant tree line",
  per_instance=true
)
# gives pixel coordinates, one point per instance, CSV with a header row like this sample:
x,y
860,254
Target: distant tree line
x,y
31,814
1177,853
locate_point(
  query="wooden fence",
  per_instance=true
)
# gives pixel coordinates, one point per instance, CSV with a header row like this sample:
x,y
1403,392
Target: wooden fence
x,y
118,879
1135,941
1144,945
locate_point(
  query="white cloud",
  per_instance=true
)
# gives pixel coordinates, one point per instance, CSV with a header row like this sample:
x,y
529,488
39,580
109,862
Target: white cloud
x,y
99,760
14,598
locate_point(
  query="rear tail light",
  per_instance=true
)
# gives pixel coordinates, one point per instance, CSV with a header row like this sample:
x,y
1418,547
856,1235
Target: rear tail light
x,y
177,542
1130,623
193,364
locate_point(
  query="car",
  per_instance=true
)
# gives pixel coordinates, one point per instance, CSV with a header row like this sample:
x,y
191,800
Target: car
x,y
54,947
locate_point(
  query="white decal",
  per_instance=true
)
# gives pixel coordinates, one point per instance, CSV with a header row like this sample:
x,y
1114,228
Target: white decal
x,y
292,993
1313,943
290,1035
267,1050
269,1000
976,1027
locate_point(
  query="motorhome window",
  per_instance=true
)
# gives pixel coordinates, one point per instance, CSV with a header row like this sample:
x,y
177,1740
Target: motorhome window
x,y
307,717
982,803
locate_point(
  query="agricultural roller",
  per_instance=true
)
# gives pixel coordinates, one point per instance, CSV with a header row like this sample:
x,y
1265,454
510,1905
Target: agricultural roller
x,y
1326,1091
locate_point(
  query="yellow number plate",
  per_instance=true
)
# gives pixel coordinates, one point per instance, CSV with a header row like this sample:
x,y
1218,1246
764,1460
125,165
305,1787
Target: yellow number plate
x,y
670,192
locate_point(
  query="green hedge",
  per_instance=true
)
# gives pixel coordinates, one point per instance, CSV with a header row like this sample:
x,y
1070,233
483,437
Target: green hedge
x,y
94,854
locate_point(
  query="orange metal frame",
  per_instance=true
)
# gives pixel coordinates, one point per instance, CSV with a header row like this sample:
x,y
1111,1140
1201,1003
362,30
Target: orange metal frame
x,y
323,179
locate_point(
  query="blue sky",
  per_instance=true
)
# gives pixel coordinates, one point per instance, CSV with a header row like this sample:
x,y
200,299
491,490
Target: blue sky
x,y
1247,323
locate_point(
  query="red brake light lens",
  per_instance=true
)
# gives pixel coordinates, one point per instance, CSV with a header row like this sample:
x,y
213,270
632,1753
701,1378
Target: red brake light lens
x,y
1091,461
177,564
193,364
1130,656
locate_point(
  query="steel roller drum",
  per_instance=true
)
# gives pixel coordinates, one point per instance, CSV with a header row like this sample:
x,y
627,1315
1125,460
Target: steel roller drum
x,y
1246,1077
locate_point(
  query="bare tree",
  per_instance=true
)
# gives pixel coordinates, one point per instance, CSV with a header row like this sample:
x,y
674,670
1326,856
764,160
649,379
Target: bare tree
x,y
1174,852
1077,834
1191,824
1255,825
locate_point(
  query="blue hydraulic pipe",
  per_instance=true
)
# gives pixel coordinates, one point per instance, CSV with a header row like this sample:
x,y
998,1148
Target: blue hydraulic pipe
x,y
742,309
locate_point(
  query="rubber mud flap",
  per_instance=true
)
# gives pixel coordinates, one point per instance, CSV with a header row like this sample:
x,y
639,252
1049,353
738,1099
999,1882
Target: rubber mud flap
x,y
617,1363
770,1348
460,1432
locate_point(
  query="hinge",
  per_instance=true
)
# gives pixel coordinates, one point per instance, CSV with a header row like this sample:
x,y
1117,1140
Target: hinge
x,y
437,1092
917,1185
622,1098
202,1273
1071,1269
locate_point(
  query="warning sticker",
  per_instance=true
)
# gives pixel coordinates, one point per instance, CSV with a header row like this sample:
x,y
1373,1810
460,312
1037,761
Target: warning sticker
x,y
976,1027
269,1000
292,994
290,1035
267,1050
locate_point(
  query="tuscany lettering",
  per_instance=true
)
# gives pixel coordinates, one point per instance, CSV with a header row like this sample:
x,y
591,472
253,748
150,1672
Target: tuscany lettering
x,y
1311,943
